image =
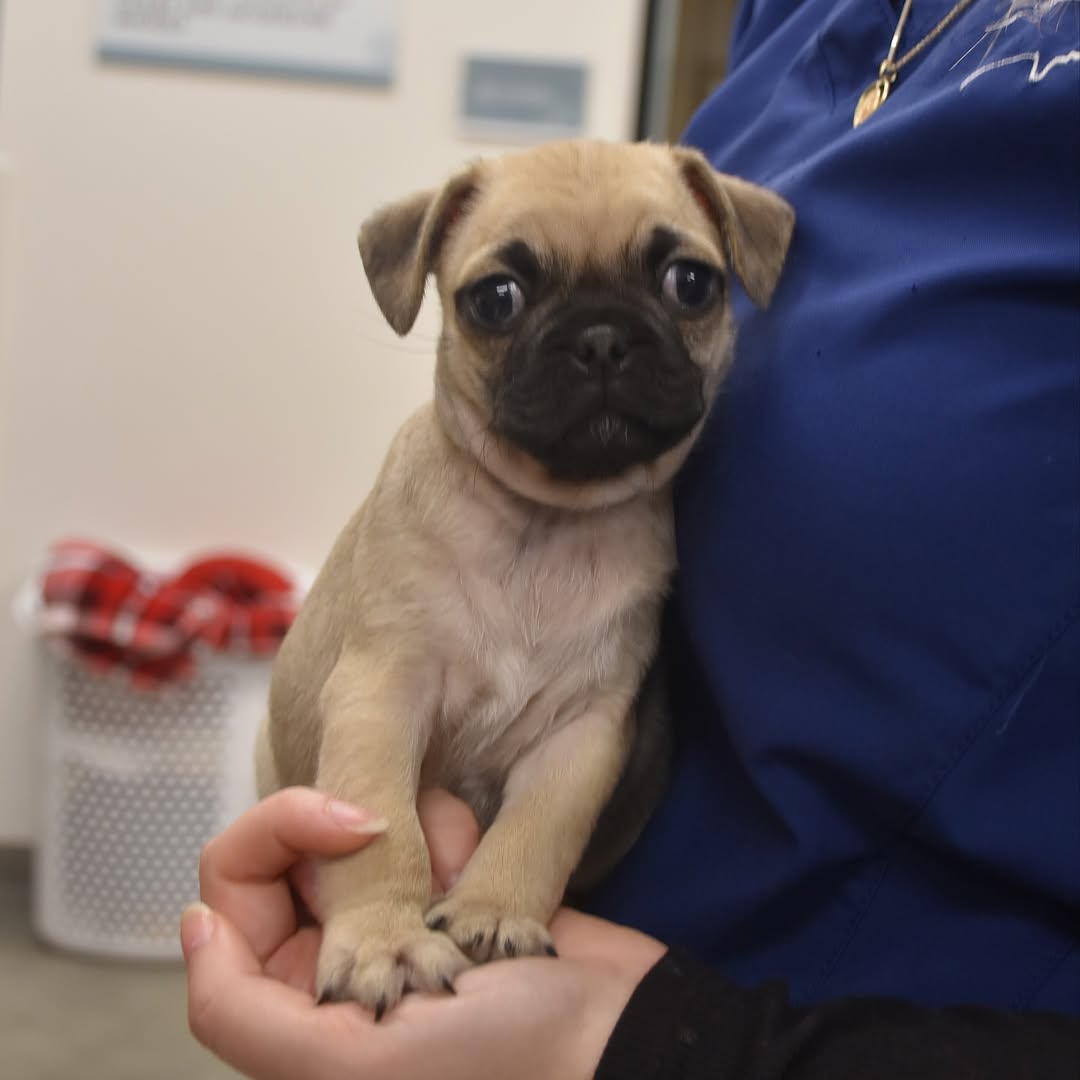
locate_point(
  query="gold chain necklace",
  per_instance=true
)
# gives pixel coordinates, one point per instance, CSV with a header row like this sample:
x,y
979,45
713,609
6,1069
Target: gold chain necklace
x,y
873,97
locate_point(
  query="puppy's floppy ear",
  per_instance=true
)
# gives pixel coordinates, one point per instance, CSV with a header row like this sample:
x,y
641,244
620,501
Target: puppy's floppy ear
x,y
400,243
754,224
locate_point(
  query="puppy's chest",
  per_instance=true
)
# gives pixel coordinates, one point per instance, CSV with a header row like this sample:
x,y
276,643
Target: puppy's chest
x,y
537,626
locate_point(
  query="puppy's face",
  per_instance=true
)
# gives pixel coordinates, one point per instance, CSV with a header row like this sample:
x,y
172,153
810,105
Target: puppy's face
x,y
586,326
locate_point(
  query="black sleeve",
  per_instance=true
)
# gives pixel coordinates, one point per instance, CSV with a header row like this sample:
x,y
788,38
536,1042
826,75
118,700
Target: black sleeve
x,y
686,1022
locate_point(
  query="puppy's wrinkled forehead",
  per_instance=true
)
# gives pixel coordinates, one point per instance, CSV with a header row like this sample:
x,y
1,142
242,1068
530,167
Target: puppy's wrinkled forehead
x,y
583,213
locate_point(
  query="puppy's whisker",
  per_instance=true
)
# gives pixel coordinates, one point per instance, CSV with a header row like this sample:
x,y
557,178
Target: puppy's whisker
x,y
480,456
382,341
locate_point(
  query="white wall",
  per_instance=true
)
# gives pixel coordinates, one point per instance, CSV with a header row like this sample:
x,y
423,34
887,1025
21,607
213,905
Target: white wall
x,y
189,356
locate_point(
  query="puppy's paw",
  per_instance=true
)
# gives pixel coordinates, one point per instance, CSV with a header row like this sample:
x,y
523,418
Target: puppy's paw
x,y
485,932
375,954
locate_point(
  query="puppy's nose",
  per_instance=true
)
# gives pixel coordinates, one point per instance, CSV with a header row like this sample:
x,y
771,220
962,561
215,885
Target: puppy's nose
x,y
600,347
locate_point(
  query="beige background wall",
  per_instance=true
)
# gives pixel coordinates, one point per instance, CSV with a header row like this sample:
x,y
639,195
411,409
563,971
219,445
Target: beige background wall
x,y
189,356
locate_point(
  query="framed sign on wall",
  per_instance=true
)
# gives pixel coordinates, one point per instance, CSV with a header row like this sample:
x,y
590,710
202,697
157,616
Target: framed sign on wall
x,y
352,40
508,97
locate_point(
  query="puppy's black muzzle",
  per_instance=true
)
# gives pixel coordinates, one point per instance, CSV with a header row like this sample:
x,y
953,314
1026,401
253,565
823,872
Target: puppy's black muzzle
x,y
591,389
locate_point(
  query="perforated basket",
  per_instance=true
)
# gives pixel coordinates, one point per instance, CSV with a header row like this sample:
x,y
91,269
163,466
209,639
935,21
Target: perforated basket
x,y
136,782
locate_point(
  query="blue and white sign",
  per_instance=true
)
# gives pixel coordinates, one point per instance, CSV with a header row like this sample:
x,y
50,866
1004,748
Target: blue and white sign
x,y
355,40
504,95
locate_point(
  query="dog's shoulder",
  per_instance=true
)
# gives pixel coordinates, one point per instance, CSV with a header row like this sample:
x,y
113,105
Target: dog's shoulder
x,y
414,453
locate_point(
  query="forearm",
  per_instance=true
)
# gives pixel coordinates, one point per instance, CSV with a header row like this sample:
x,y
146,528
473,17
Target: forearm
x,y
685,1021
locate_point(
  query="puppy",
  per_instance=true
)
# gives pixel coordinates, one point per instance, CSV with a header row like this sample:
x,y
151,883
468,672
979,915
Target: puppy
x,y
486,619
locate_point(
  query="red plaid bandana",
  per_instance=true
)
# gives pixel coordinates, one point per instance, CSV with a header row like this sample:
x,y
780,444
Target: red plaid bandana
x,y
114,615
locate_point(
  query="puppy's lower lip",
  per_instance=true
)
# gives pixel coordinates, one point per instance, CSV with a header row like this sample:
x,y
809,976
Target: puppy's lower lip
x,y
607,427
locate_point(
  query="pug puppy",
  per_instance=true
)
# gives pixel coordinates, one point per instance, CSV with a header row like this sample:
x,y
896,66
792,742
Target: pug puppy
x,y
487,618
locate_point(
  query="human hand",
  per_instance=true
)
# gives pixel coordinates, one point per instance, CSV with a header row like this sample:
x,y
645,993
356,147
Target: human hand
x,y
251,967
251,871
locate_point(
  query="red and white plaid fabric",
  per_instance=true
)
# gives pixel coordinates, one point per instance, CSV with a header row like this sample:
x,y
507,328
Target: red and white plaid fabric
x,y
113,614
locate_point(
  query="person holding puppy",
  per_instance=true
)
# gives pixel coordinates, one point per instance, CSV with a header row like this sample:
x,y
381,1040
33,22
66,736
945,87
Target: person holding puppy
x,y
875,632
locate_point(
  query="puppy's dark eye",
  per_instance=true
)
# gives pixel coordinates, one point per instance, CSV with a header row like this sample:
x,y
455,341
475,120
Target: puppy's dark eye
x,y
495,301
689,286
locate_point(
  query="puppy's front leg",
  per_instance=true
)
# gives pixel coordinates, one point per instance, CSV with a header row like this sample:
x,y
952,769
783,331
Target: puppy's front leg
x,y
516,878
376,715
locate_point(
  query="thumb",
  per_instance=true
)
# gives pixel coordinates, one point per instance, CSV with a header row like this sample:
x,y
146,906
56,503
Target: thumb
x,y
452,834
256,1024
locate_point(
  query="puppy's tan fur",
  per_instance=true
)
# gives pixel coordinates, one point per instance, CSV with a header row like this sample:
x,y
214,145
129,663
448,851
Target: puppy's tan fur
x,y
479,624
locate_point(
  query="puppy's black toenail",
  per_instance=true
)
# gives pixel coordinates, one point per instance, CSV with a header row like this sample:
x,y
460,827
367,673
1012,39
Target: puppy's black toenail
x,y
551,950
329,995
509,948
380,1009
448,986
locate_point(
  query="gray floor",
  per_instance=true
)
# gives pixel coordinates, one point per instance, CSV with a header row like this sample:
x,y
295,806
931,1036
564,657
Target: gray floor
x,y
63,1017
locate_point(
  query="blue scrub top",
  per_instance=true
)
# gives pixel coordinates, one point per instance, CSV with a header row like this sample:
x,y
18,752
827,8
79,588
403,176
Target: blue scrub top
x,y
878,608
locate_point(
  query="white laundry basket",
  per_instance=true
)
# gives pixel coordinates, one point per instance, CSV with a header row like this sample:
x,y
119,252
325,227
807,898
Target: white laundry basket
x,y
136,781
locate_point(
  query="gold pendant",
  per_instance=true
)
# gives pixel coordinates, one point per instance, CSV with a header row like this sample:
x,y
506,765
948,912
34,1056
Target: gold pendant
x,y
871,99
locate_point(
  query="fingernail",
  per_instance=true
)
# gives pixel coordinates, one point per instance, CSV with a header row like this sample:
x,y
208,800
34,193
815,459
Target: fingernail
x,y
196,926
354,819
